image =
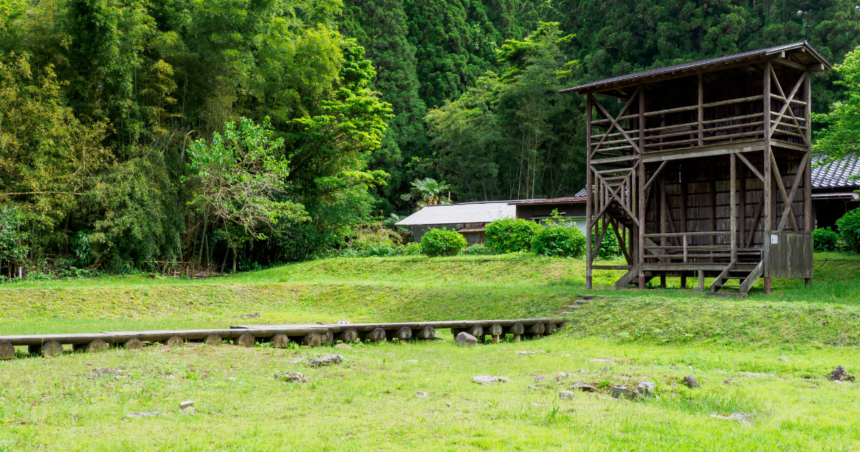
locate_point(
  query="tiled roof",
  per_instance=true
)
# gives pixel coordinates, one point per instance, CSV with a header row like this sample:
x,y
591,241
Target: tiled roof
x,y
692,66
467,212
582,193
836,174
541,201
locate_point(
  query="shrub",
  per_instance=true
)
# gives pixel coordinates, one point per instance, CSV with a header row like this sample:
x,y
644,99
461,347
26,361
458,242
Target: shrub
x,y
559,241
825,239
412,249
609,246
478,250
510,235
849,230
442,242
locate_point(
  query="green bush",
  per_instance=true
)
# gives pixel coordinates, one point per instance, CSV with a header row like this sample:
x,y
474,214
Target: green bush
x,y
609,247
412,249
849,230
442,242
510,235
478,250
559,241
825,239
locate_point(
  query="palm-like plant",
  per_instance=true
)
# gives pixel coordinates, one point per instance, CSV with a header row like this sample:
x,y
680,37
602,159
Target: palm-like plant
x,y
427,192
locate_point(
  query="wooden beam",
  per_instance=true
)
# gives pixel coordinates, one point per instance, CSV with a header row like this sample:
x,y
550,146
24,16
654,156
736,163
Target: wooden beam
x,y
807,180
788,101
640,193
712,201
733,208
614,123
654,176
801,171
742,208
589,191
785,199
751,167
788,63
766,190
701,110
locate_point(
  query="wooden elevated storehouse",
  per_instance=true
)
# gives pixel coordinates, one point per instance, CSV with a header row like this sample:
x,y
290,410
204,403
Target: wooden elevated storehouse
x,y
703,169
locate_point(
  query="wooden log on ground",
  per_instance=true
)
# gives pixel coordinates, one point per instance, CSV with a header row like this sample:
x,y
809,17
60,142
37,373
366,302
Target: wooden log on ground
x,y
496,331
280,341
551,328
537,329
476,330
245,340
517,330
348,335
327,337
213,340
312,339
403,334
51,348
376,335
97,346
133,344
7,350
428,332
175,341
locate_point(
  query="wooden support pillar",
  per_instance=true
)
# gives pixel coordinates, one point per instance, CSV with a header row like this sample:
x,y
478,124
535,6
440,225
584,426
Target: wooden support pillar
x,y
589,192
742,208
701,110
712,204
701,287
640,242
767,189
809,225
733,206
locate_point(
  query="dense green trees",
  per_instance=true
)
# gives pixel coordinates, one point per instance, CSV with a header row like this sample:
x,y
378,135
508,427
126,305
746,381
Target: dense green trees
x,y
111,111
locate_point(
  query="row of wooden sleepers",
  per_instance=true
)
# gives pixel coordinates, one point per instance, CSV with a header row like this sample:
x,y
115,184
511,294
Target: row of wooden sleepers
x,y
280,335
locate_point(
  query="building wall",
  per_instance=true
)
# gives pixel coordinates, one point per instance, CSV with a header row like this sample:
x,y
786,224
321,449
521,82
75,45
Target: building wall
x,y
537,212
471,237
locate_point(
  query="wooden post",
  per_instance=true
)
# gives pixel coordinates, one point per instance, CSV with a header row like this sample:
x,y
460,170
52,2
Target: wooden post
x,y
312,339
742,208
175,341
641,191
7,351
733,215
350,335
701,287
477,331
377,335
133,344
517,330
589,189
496,332
403,334
701,110
428,332
807,179
766,190
245,340
712,205
280,341
537,329
212,339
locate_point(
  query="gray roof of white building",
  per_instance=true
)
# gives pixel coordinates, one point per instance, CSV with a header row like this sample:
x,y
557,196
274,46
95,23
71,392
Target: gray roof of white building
x,y
467,212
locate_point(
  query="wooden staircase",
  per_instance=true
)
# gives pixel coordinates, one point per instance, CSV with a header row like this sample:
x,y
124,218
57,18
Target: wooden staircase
x,y
745,274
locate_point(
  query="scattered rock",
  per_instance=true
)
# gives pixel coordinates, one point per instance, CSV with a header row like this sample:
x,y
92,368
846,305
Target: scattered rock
x,y
326,360
291,377
728,382
605,369
646,389
466,339
186,407
231,379
585,297
739,417
567,312
620,392
565,395
449,405
673,367
343,347
756,375
581,301
782,358
603,360
690,382
580,386
253,315
144,414
527,352
539,378
490,379
413,361
107,372
840,374
421,394
532,405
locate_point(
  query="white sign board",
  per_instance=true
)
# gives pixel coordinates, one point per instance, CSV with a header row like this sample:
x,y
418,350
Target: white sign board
x,y
774,239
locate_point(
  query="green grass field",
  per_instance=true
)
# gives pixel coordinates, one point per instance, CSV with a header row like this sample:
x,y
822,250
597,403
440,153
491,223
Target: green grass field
x,y
369,401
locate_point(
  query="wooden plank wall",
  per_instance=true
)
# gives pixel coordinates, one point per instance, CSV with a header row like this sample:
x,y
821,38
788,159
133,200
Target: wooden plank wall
x,y
697,175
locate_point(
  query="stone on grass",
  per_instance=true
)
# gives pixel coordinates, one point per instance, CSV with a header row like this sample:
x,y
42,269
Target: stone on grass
x,y
449,405
690,382
782,358
535,405
326,360
526,352
756,375
138,414
539,378
186,407
580,386
620,392
421,394
565,395
646,389
490,379
412,361
466,339
291,377
739,417
343,347
673,367
839,374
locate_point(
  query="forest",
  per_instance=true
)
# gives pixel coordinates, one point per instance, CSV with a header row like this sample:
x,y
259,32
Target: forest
x,y
233,134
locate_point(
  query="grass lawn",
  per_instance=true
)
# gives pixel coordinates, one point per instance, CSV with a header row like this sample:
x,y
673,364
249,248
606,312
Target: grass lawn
x,y
369,401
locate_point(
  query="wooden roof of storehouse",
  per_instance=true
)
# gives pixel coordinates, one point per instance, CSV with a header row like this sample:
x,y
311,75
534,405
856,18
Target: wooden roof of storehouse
x,y
801,50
